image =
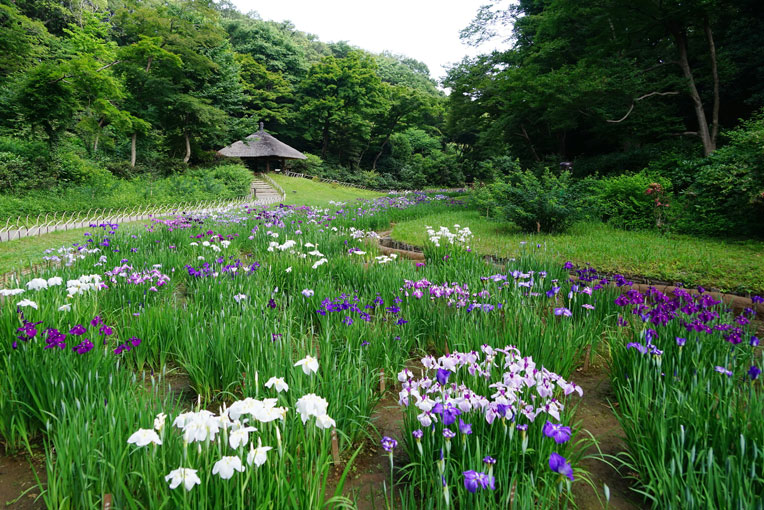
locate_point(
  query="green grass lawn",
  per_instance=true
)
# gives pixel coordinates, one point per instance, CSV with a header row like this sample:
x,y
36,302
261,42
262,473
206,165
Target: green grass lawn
x,y
301,191
721,264
725,265
21,253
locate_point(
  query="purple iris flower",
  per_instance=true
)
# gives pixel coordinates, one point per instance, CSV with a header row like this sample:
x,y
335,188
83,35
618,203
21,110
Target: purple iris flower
x,y
557,431
559,464
487,482
723,370
474,481
754,341
641,348
754,372
448,433
681,341
105,330
417,433
449,415
442,376
568,265
489,460
464,428
96,321
29,329
471,482
389,444
563,311
77,330
83,347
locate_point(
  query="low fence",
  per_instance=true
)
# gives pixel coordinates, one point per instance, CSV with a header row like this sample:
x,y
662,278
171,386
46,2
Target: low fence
x,y
26,226
273,184
323,179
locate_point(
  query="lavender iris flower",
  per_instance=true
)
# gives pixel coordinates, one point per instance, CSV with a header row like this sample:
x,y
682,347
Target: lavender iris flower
x,y
723,370
559,464
442,376
474,481
464,428
557,431
389,444
449,415
754,372
641,348
471,482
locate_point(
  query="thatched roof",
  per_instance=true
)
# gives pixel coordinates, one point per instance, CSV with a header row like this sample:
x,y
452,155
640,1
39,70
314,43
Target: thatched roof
x,y
261,145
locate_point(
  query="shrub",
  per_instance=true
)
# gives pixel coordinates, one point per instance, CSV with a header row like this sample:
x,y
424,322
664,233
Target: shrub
x,y
313,165
727,192
622,200
549,203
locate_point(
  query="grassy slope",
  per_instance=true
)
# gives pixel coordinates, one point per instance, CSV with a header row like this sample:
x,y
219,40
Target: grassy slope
x,y
726,265
19,254
306,192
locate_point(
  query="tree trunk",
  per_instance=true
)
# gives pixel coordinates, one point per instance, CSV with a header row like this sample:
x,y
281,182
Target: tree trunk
x,y
132,150
97,136
709,145
188,148
387,139
715,73
325,137
530,144
379,154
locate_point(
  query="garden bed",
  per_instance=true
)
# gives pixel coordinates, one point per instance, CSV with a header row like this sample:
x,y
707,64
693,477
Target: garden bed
x,y
499,375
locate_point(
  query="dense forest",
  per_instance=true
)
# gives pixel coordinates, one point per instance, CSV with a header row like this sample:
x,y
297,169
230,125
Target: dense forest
x,y
670,92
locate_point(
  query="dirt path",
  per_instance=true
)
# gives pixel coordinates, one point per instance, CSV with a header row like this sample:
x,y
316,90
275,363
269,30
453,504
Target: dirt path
x,y
371,469
16,477
597,417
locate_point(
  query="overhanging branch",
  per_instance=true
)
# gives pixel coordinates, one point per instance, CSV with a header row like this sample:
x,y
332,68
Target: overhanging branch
x,y
640,98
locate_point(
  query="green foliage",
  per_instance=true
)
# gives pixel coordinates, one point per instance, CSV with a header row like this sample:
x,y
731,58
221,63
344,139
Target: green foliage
x,y
312,165
89,187
598,82
623,202
546,203
727,192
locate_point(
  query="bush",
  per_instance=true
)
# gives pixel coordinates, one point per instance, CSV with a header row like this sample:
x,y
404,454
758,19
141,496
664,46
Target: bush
x,y
222,182
622,200
549,203
313,165
727,192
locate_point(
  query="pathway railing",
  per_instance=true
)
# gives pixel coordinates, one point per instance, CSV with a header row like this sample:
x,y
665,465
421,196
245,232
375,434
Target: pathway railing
x,y
323,179
274,185
26,226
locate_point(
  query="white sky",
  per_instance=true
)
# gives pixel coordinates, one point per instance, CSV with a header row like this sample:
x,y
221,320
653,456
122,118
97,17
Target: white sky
x,y
427,30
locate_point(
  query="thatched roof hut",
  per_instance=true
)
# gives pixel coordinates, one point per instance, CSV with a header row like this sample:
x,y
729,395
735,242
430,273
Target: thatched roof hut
x,y
261,146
